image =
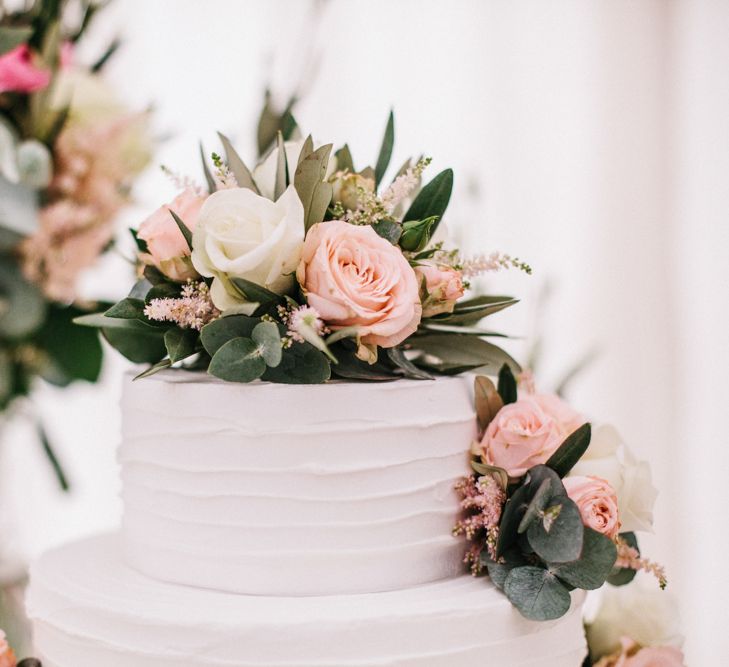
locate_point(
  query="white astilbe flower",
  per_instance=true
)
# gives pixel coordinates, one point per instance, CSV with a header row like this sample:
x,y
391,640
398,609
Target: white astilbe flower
x,y
184,182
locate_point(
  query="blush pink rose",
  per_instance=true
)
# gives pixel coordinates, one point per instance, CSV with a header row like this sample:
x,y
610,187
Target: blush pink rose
x,y
168,250
355,278
18,74
442,287
522,435
7,657
597,502
631,655
569,420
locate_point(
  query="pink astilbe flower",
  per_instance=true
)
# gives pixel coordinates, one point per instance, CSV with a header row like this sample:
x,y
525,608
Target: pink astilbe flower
x,y
90,185
482,500
475,266
630,558
19,74
403,186
193,310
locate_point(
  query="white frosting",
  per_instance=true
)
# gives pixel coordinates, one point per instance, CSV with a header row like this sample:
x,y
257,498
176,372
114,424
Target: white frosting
x,y
89,609
274,489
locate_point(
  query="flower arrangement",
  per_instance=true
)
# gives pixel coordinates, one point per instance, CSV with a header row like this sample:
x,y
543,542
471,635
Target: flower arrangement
x,y
7,656
303,269
68,152
551,506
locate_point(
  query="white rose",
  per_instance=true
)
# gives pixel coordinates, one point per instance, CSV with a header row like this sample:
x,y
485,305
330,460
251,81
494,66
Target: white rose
x,y
609,458
640,611
265,172
240,234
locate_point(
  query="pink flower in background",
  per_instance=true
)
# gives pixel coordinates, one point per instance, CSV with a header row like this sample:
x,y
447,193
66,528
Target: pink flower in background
x,y
168,250
355,278
443,286
18,74
597,502
7,657
632,655
526,433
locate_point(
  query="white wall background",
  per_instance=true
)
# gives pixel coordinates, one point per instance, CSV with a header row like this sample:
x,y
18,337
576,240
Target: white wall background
x,y
588,137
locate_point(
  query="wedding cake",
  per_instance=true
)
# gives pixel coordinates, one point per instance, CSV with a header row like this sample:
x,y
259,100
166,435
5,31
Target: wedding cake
x,y
322,538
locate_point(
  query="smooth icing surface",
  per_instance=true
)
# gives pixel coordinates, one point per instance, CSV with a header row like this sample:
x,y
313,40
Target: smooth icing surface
x,y
90,609
274,489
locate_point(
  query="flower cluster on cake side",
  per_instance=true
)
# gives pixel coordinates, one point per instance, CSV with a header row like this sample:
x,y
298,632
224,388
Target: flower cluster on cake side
x,y
552,507
69,151
306,268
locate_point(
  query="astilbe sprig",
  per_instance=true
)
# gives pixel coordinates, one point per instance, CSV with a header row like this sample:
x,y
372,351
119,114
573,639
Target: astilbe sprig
x,y
192,310
629,558
495,261
482,499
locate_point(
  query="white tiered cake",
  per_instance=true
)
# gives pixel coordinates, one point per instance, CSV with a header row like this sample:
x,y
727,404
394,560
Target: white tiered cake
x,y
319,541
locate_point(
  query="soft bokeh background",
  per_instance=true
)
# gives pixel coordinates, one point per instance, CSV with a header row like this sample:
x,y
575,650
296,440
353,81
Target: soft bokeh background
x,y
591,138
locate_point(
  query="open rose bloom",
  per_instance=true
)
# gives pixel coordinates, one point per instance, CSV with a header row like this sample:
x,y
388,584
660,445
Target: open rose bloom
x,y
7,657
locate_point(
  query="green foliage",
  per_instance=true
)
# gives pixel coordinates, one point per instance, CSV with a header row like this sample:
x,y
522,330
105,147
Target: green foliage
x,y
301,363
594,565
268,338
344,159
558,537
309,180
488,401
507,385
408,369
12,37
416,234
253,293
184,229
432,200
24,307
180,343
209,180
388,230
127,309
571,450
237,166
471,311
218,332
537,593
351,368
624,575
388,141
238,360
282,169
141,344
453,353
271,122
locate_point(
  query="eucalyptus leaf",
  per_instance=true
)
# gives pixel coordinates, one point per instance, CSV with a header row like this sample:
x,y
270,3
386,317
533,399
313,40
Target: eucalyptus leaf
x,y
218,332
511,517
536,593
101,321
22,306
238,360
136,341
127,309
302,363
488,401
507,385
18,208
571,450
180,343
536,506
388,141
162,291
236,165
432,200
267,335
498,571
558,538
184,229
594,565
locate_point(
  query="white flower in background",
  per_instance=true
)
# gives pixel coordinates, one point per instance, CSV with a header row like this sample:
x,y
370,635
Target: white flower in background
x,y
240,234
647,615
609,458
265,172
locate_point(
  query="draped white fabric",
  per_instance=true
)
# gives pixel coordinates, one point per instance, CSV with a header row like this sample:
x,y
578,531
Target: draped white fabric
x,y
587,137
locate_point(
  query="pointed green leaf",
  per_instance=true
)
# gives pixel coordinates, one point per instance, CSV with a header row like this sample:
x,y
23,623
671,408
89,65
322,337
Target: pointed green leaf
x,y
238,360
507,385
344,159
154,368
12,37
180,343
432,200
315,193
409,370
184,229
536,593
127,309
237,166
388,140
471,311
571,450
445,352
488,401
206,170
137,342
255,293
282,169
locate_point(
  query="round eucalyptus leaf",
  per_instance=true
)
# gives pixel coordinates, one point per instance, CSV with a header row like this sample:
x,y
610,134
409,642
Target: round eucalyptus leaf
x,y
301,363
267,335
22,306
559,536
536,593
218,332
239,360
35,164
594,565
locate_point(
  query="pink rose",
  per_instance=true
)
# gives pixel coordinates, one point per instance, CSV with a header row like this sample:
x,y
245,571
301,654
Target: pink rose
x,y
18,74
168,250
597,502
553,405
442,287
355,278
7,657
522,435
631,655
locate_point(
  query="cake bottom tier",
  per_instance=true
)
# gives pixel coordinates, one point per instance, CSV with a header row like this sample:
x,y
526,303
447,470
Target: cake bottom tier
x,y
89,609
